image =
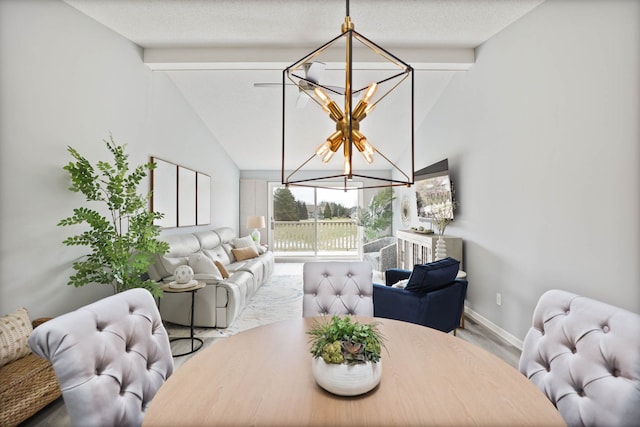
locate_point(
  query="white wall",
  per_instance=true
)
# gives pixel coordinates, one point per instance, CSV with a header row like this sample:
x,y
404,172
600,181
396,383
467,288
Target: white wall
x,y
543,139
67,80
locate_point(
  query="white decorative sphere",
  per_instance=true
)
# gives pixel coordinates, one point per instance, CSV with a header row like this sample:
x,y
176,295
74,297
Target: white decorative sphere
x,y
183,274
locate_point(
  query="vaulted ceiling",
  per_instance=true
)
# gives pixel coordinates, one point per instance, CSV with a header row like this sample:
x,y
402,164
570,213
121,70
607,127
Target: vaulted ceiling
x,y
215,50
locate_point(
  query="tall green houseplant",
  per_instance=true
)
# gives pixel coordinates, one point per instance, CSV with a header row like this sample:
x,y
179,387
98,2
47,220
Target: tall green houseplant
x,y
123,242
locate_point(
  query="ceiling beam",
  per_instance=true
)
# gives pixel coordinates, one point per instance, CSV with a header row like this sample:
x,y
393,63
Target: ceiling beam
x,y
251,58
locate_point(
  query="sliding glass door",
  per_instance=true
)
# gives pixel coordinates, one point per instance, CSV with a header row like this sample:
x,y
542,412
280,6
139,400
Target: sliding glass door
x,y
310,222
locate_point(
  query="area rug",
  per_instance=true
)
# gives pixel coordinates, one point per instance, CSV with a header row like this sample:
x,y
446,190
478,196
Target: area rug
x,y
279,299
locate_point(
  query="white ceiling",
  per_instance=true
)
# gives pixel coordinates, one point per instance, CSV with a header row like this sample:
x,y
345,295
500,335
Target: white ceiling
x,y
215,50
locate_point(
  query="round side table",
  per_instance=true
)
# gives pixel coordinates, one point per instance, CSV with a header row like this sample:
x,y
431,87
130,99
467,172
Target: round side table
x,y
193,289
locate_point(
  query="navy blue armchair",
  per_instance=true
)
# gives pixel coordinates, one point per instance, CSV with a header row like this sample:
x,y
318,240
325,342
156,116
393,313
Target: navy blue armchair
x,y
433,297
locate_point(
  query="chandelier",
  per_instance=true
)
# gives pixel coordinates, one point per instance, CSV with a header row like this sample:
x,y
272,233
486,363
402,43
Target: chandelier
x,y
345,108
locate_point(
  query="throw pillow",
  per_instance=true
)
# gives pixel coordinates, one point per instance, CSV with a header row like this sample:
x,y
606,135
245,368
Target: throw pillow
x,y
202,264
222,269
243,242
433,276
245,253
401,284
227,248
15,328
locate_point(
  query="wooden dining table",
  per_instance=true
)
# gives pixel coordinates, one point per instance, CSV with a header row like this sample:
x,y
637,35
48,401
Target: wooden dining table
x,y
262,377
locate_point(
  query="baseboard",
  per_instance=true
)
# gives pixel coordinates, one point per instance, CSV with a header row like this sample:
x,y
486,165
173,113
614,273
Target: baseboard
x,y
493,328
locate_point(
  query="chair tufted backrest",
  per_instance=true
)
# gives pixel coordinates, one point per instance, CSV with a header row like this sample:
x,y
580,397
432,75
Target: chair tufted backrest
x,y
337,288
110,357
585,356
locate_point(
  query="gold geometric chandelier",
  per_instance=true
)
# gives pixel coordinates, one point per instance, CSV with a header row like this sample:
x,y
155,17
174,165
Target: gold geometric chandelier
x,y
379,73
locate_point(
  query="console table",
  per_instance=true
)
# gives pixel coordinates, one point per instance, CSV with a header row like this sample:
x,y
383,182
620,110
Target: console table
x,y
417,248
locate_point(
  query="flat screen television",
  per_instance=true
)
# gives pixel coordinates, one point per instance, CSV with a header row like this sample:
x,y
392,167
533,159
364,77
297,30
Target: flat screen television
x,y
434,191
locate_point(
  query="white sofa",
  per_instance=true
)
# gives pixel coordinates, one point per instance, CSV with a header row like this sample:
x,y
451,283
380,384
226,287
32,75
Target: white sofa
x,y
222,299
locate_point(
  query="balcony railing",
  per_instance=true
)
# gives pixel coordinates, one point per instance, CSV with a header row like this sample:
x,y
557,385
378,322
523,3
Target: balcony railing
x,y
299,236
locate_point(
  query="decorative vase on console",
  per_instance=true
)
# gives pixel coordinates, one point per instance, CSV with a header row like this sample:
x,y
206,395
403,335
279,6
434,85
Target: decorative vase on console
x,y
440,222
441,248
441,215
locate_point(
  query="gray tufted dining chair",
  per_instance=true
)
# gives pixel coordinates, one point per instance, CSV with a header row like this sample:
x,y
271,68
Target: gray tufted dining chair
x,y
337,288
110,357
585,356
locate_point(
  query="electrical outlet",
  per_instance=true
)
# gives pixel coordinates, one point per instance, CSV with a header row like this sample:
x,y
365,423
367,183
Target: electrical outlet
x,y
498,298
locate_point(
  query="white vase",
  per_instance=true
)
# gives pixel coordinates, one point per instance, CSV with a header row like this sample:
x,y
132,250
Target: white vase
x,y
346,380
441,248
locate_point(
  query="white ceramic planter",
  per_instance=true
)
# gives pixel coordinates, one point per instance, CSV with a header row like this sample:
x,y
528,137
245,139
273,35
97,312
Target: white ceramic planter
x,y
346,380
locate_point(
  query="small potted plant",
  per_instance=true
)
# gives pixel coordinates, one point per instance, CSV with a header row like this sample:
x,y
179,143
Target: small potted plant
x,y
346,355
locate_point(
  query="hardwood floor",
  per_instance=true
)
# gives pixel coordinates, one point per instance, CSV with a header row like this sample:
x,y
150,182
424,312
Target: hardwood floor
x,y
484,338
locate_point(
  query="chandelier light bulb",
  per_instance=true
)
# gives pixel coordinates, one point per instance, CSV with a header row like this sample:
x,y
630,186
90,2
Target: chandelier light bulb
x,y
370,92
363,107
367,151
328,156
323,148
368,148
367,156
322,95
347,165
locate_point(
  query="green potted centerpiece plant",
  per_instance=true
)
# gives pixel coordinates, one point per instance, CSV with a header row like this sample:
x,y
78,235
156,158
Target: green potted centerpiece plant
x,y
346,355
124,240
